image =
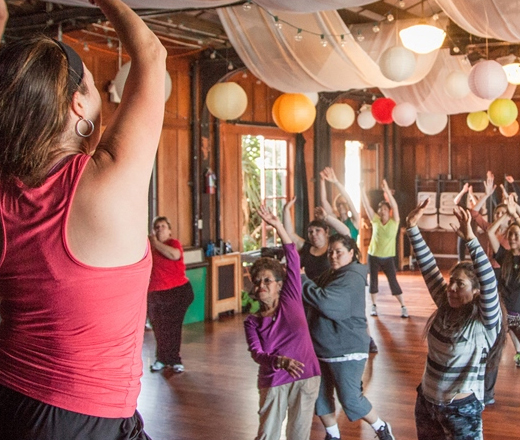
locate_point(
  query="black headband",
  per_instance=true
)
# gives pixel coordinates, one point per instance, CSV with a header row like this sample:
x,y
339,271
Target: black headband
x,y
76,70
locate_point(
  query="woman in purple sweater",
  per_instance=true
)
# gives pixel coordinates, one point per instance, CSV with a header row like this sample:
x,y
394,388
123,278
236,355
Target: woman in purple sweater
x,y
279,341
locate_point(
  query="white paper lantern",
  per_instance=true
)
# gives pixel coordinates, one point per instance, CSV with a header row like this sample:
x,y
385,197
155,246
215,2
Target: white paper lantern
x,y
122,75
487,79
431,123
404,114
340,116
226,101
456,85
313,96
365,119
397,63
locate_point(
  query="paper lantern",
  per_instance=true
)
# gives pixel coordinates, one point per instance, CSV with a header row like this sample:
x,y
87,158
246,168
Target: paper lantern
x,y
404,114
513,73
431,123
502,112
477,121
340,116
313,96
456,85
122,75
226,101
382,110
365,119
510,130
487,79
293,112
397,63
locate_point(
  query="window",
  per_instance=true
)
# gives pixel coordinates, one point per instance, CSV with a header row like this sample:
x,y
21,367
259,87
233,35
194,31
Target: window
x,y
264,169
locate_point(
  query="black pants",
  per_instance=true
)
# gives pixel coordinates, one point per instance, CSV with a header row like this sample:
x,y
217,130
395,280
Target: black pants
x,y
389,269
166,310
24,418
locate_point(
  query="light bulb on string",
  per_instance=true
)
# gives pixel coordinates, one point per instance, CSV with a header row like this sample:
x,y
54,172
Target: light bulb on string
x,y
360,37
324,42
342,42
456,49
390,18
375,28
277,23
298,36
247,5
85,47
402,4
213,55
230,66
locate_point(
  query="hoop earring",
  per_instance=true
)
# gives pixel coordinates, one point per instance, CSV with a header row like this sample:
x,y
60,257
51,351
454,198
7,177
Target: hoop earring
x,y
90,125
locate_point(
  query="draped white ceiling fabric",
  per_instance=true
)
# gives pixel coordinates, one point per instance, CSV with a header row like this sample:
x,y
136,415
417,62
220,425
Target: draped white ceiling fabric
x,y
429,95
291,66
499,19
278,5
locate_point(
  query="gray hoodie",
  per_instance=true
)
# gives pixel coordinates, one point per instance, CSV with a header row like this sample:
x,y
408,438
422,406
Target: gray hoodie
x,y
335,304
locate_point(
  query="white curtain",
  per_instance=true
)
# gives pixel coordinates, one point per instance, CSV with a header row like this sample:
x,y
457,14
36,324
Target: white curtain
x,y
499,19
279,5
274,56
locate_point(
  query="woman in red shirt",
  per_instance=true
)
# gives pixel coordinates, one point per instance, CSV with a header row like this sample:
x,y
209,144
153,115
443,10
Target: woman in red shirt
x,y
169,296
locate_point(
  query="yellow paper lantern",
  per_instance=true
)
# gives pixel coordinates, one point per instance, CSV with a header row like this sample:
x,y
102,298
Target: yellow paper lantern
x,y
226,101
477,121
509,130
293,112
340,116
502,112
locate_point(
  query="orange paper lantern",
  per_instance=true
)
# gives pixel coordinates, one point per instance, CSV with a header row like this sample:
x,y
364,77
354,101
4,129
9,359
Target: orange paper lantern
x,y
510,130
293,112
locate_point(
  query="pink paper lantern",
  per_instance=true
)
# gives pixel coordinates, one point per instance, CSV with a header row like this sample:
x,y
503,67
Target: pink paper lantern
x,y
382,110
487,79
404,114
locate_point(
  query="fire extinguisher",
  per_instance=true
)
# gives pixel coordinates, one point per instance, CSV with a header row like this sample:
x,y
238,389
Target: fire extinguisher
x,y
210,182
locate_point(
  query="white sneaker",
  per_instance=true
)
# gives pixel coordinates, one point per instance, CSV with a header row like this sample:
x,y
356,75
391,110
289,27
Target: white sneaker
x,y
373,312
404,312
178,368
157,366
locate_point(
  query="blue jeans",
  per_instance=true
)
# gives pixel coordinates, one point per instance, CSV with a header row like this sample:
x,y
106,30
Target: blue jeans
x,y
458,420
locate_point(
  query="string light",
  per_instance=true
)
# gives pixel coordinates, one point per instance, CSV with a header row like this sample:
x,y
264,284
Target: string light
x,y
247,5
277,23
360,37
390,18
298,37
230,66
213,55
343,42
402,4
324,42
85,47
375,28
456,49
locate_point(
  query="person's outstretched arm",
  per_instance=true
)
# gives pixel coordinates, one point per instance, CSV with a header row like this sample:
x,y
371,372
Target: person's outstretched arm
x,y
391,200
330,175
4,16
489,189
108,226
460,195
267,216
332,221
289,226
366,204
323,196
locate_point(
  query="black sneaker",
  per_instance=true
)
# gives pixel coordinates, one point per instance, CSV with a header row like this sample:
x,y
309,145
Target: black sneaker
x,y
329,437
385,432
373,346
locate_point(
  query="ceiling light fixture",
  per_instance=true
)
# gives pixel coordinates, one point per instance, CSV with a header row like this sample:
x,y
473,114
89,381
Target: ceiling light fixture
x,y
422,38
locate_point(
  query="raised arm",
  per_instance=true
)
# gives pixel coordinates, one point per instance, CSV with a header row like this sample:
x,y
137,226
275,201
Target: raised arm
x,y
460,195
489,189
323,195
289,226
4,15
425,260
366,204
108,222
391,200
331,221
170,252
492,231
330,175
267,216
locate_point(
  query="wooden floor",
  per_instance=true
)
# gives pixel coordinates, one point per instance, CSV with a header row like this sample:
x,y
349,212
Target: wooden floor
x,y
216,398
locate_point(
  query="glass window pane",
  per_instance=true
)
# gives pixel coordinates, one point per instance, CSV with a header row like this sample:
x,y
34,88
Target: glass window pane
x,y
281,154
275,183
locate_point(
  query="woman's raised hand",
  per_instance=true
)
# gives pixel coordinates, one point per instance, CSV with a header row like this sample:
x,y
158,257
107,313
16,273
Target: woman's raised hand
x,y
267,216
414,215
329,174
290,203
464,231
320,213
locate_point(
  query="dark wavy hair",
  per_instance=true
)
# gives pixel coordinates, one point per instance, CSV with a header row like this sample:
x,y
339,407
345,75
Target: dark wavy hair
x,y
318,224
35,98
348,242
